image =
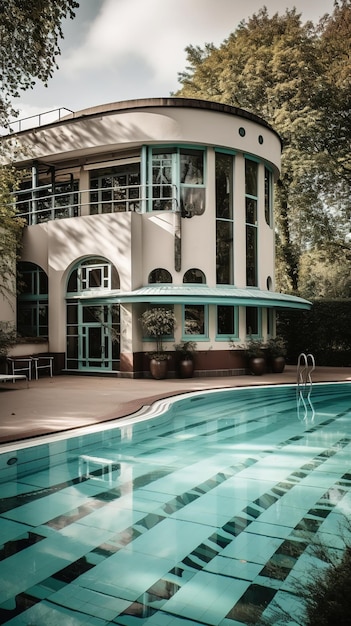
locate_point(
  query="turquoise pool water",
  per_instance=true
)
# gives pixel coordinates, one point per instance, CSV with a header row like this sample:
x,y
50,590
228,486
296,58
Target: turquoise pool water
x,y
193,513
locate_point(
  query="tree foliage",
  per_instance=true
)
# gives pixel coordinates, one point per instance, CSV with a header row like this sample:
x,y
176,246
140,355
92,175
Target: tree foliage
x,y
10,231
297,77
30,31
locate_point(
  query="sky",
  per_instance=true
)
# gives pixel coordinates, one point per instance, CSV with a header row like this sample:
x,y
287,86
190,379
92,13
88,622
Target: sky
x,y
118,50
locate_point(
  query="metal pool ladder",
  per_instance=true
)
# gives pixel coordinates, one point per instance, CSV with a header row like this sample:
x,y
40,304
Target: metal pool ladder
x,y
305,366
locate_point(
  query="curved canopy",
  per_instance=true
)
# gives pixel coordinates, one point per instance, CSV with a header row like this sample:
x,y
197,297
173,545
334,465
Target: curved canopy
x,y
202,294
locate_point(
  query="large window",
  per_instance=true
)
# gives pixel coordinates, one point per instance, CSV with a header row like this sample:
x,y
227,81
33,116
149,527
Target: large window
x,y
115,189
253,322
268,196
176,180
224,219
195,321
251,198
32,303
227,322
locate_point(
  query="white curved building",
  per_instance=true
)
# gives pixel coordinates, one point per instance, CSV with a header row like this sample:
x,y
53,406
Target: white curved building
x,y
158,202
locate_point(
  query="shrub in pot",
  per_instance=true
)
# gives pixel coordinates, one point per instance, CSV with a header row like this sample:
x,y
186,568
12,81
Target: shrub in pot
x,y
158,323
276,352
185,358
256,355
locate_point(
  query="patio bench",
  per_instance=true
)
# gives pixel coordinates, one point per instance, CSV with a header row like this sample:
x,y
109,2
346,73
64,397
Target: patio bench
x,y
42,361
20,364
29,364
4,378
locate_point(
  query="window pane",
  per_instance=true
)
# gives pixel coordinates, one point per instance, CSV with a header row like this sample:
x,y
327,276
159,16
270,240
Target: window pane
x,y
194,319
251,211
194,276
252,321
191,167
92,314
251,256
268,196
250,177
225,320
160,275
224,186
95,278
224,253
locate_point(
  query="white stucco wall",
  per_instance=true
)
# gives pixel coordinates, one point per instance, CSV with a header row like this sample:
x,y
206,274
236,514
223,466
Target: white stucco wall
x,y
138,243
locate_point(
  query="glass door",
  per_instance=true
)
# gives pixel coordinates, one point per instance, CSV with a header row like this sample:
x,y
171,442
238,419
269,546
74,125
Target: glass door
x,y
99,337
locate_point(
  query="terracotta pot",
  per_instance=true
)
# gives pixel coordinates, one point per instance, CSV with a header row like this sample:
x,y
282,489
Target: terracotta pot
x,y
159,369
257,365
277,364
186,368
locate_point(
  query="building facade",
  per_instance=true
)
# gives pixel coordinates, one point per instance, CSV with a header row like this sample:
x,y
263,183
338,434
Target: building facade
x,y
161,202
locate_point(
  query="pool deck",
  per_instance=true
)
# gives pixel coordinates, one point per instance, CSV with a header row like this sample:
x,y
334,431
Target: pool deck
x,y
51,405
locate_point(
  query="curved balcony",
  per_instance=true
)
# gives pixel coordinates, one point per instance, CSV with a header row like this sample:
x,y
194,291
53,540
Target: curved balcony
x,y
40,204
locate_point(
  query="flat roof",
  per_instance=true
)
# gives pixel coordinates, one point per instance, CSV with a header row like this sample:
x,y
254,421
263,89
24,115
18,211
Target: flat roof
x,y
187,103
144,103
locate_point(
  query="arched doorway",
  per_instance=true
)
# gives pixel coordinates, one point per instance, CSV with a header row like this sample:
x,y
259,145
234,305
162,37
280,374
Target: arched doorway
x,y
93,319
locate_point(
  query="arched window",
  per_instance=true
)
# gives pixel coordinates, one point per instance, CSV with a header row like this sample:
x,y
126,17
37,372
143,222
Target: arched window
x,y
92,275
160,275
194,275
32,303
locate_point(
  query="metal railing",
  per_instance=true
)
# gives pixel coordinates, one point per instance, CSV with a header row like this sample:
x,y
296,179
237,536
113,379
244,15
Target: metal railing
x,y
36,205
46,117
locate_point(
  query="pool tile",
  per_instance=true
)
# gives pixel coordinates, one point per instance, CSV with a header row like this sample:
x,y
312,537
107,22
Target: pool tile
x,y
204,505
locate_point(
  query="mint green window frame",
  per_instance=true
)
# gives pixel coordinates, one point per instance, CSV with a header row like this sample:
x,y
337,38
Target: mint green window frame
x,y
224,217
268,196
195,322
33,301
170,186
223,310
251,219
253,322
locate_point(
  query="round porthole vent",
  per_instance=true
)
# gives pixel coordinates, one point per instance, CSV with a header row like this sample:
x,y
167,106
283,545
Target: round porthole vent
x,y
12,461
260,139
242,131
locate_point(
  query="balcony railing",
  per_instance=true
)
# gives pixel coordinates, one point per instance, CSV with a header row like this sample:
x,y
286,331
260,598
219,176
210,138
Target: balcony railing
x,y
40,205
39,119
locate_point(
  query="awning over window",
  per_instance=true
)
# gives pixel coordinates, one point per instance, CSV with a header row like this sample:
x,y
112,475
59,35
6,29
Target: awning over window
x,y
202,294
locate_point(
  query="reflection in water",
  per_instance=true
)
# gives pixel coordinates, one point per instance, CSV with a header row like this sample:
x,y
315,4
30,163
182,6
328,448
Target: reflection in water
x,y
305,367
305,408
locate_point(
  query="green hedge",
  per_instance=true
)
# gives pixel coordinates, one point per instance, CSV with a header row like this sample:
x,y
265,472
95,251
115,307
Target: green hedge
x,y
324,331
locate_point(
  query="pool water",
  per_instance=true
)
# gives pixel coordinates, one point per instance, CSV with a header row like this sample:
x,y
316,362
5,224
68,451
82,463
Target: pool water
x,y
202,511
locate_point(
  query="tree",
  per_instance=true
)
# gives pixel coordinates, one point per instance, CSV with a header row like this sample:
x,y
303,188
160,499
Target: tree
x,y
10,231
29,43
276,67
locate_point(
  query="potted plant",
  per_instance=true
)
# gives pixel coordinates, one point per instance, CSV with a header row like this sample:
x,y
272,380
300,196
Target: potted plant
x,y
256,355
185,358
276,352
158,323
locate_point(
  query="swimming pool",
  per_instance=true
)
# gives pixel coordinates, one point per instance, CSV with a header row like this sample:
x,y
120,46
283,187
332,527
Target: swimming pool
x,y
189,513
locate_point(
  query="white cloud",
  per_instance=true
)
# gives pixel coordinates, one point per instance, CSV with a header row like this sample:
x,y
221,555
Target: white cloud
x,y
123,49
157,31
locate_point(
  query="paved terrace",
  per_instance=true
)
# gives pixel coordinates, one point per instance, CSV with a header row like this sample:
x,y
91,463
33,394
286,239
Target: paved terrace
x,y
50,405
